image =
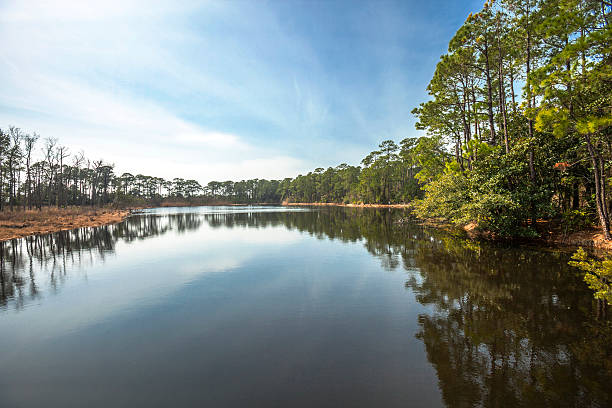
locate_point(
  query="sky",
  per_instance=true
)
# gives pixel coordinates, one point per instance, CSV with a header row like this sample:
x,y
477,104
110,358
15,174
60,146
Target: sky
x,y
221,90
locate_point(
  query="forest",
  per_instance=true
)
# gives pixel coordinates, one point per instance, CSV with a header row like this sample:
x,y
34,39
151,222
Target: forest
x,y
517,131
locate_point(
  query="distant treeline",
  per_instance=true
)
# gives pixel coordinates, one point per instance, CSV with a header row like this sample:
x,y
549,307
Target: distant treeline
x,y
59,178
387,175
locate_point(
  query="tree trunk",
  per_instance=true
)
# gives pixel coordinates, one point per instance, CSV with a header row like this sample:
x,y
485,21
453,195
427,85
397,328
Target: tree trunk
x,y
602,179
502,96
599,192
502,106
489,93
576,196
529,121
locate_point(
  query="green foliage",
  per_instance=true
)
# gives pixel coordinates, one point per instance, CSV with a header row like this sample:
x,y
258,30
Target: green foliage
x,y
504,163
387,175
597,274
431,156
576,220
492,194
444,198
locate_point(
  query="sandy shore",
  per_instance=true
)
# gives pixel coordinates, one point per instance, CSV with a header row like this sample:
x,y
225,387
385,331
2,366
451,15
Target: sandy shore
x,y
20,224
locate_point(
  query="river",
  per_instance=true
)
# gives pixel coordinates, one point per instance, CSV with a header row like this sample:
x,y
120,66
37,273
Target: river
x,y
294,307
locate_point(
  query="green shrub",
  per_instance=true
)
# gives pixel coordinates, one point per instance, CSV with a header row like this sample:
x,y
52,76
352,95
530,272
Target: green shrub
x,y
598,274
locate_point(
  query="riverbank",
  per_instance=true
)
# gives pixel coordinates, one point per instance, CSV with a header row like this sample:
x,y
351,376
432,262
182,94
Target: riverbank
x,y
592,239
551,237
19,224
166,204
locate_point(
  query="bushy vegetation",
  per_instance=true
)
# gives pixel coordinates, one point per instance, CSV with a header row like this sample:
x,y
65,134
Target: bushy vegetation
x,y
387,176
598,274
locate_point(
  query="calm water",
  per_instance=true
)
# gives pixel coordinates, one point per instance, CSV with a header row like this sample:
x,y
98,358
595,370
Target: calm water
x,y
276,307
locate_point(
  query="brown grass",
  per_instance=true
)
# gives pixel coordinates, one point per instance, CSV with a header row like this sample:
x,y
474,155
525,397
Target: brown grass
x,y
21,223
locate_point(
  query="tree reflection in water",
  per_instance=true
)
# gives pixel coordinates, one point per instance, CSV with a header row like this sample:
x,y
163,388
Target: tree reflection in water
x,y
24,261
511,327
506,326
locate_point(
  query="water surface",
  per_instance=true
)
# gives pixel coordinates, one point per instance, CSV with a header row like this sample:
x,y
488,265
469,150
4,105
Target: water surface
x,y
278,307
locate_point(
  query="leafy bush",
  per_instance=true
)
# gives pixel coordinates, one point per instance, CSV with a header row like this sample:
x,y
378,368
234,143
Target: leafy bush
x,y
493,194
576,220
598,274
444,198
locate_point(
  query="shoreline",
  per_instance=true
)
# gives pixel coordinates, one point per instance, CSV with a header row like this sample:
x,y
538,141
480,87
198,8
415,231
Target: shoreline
x,y
20,224
591,239
286,204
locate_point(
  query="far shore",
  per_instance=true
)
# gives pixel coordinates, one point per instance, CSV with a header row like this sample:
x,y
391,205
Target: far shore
x,y
350,205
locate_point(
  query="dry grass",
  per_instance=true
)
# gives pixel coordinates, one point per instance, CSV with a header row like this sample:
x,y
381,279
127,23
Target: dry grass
x,y
17,224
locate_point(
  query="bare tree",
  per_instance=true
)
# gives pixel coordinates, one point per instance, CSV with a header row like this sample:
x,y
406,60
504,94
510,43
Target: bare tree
x,y
29,141
13,159
62,154
50,156
77,161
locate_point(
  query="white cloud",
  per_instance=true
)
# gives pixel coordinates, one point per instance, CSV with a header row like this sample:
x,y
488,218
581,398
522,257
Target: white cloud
x,y
212,139
138,135
84,10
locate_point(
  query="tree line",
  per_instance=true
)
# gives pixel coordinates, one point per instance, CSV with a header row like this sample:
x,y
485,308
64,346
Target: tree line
x,y
60,178
518,128
386,175
37,172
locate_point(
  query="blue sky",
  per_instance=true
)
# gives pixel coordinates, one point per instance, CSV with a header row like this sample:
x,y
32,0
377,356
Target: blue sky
x,y
218,90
